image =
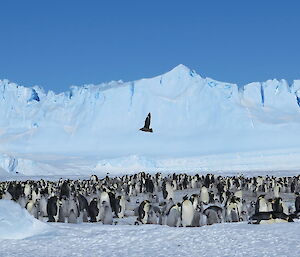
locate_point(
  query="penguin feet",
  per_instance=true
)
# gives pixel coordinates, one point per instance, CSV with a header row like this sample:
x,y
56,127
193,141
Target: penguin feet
x,y
137,223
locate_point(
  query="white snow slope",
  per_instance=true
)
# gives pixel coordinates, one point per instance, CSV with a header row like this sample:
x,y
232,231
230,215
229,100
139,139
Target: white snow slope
x,y
198,123
17,223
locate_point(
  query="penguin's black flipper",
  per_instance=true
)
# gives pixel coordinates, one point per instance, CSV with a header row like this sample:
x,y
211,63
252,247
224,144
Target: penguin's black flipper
x,y
280,215
261,216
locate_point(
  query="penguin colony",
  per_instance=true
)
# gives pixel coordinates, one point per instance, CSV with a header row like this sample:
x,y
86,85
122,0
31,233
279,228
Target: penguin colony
x,y
174,200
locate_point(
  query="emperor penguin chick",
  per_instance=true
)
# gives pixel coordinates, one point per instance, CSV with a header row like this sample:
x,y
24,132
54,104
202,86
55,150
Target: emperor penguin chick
x,y
173,218
106,214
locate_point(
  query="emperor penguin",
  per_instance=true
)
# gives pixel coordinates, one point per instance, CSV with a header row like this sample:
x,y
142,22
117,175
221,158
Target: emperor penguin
x,y
232,212
297,203
112,201
18,190
270,204
106,213
195,200
143,211
152,216
244,212
27,190
104,197
261,217
279,206
187,213
63,210
261,204
82,203
32,209
212,216
83,216
173,217
53,205
165,209
43,206
120,206
72,218
204,196
167,190
163,214
72,205
251,208
194,182
276,190
35,195
202,216
94,178
93,210
65,190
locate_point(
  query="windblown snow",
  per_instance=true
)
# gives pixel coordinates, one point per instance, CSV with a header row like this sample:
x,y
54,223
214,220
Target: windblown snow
x,y
198,123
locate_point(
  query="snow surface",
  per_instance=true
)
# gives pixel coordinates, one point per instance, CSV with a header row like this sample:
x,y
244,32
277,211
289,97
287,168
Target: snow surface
x,y
17,223
227,239
199,123
23,235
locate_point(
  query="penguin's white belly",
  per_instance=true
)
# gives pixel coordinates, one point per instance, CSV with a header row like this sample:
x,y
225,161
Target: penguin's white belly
x,y
145,218
123,207
187,213
204,197
263,206
43,207
104,197
169,189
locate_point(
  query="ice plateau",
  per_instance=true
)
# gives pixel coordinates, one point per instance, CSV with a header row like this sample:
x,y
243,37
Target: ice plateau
x,y
198,123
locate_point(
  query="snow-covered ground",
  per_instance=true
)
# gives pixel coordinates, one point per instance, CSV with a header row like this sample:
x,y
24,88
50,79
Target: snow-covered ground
x,y
198,123
239,239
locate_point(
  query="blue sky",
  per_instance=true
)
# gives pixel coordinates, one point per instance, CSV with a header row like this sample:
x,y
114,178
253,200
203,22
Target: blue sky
x,y
56,44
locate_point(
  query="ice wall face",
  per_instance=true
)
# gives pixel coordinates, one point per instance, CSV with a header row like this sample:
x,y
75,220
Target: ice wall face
x,y
191,115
